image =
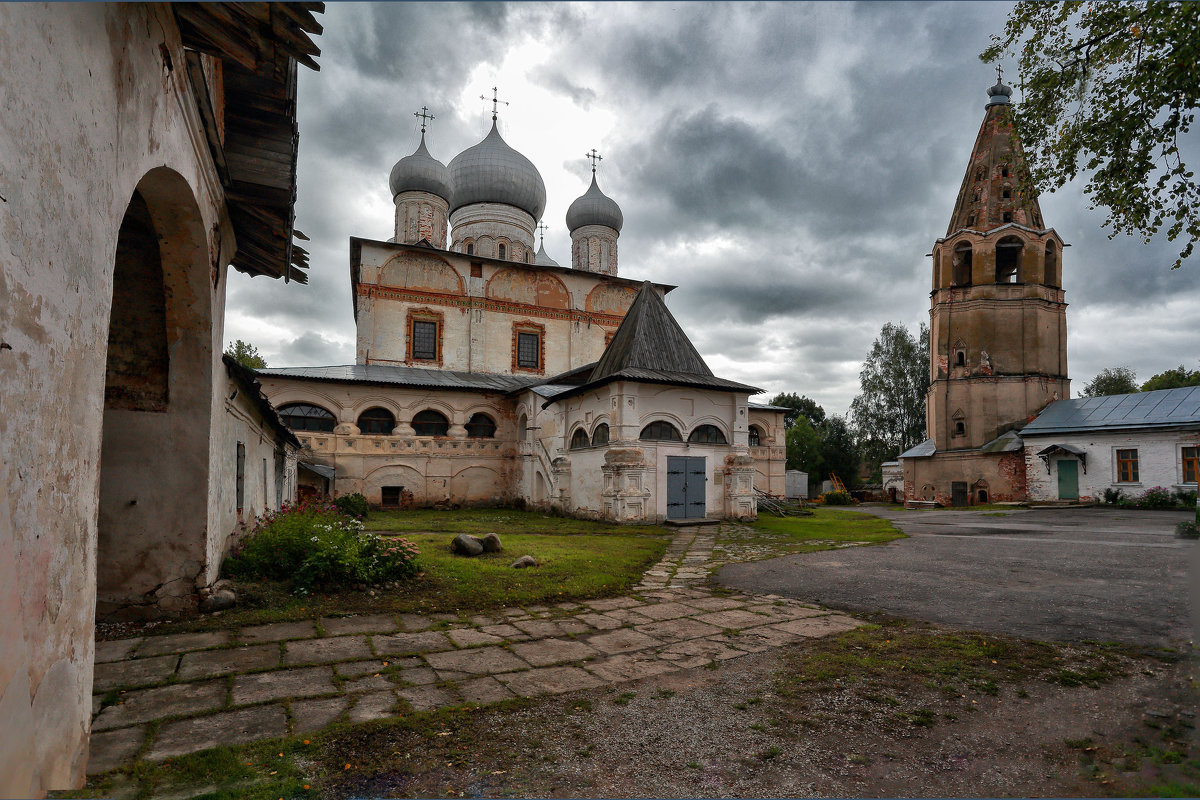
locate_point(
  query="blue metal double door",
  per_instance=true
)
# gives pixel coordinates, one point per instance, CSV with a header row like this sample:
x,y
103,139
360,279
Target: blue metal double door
x,y
686,484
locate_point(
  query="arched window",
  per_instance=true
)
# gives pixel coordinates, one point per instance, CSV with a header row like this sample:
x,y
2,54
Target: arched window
x,y
754,436
1006,216
1051,264
707,434
430,423
962,264
1006,193
376,421
960,428
1008,259
600,435
481,426
470,248
501,252
579,439
960,359
305,417
1004,172
660,431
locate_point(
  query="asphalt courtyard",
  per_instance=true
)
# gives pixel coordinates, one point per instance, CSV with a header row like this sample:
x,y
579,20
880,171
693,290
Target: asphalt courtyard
x,y
1064,574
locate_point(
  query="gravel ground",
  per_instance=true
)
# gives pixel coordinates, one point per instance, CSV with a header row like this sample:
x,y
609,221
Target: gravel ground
x,y
725,732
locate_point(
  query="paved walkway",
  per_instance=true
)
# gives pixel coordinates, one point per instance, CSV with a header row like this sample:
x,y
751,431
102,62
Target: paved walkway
x,y
288,678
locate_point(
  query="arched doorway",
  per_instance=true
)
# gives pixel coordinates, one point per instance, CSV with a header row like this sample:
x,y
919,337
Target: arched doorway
x,y
152,531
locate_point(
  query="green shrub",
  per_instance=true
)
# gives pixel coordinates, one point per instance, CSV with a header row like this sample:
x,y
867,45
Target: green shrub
x,y
1155,497
316,546
353,505
1188,530
1185,497
1112,496
837,499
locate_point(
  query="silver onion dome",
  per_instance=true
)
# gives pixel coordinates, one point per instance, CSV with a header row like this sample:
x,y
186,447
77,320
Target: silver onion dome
x,y
594,208
492,172
543,260
999,94
420,172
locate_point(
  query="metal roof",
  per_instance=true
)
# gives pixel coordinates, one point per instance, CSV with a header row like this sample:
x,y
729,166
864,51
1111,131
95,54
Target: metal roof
x,y
594,207
420,172
492,172
319,469
388,375
1159,409
1005,443
767,407
923,450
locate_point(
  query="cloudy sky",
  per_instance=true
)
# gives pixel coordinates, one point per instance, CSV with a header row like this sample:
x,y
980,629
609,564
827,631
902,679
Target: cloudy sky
x,y
787,165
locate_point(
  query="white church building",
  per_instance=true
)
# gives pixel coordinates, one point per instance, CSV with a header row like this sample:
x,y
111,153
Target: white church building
x,y
489,374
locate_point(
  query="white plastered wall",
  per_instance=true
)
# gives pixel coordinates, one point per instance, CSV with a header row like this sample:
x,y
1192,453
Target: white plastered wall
x,y
1160,461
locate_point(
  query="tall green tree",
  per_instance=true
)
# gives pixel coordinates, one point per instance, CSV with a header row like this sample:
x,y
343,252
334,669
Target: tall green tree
x,y
1176,378
804,448
839,451
1110,89
1111,380
799,406
894,378
246,354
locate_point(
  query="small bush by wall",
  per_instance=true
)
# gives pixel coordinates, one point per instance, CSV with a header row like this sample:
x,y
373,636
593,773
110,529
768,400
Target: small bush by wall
x,y
315,546
1156,497
353,505
837,499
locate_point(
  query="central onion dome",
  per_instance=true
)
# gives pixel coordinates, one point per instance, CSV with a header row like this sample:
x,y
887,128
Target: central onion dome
x,y
420,172
492,172
594,207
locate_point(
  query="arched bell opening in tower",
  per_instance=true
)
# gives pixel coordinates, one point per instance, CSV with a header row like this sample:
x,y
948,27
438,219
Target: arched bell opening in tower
x,y
1008,259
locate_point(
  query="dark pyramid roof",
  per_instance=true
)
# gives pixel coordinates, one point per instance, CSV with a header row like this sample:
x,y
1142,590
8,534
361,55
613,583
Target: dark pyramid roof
x,y
981,203
652,348
649,338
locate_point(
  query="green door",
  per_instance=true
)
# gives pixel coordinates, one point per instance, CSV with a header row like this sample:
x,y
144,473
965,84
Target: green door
x,y
1068,479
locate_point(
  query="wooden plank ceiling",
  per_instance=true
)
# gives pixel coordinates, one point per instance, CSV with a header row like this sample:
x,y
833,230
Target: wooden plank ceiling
x,y
252,130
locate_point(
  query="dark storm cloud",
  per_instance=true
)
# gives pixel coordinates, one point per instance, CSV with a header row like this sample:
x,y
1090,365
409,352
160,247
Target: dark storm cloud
x,y
788,165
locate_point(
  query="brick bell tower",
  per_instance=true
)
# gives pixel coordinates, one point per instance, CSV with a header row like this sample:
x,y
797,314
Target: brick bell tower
x,y
998,326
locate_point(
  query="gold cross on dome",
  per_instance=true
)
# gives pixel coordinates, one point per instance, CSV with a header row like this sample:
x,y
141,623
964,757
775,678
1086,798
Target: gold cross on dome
x,y
424,115
495,102
595,157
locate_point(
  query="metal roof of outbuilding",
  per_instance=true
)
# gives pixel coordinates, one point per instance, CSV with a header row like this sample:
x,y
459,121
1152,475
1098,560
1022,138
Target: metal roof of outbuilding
x,y
1159,409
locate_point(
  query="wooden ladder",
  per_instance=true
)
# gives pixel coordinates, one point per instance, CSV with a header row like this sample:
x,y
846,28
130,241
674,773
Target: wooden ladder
x,y
838,486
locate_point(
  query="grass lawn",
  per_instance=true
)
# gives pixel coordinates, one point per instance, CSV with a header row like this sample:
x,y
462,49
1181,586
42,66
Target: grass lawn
x,y
577,560
478,521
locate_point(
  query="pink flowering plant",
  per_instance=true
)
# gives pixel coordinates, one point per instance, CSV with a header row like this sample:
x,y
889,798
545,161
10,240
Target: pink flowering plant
x,y
313,545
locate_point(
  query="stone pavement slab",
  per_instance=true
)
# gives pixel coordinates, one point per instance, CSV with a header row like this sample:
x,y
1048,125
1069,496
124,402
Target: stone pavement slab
x,y
404,643
484,690
147,704
819,626
353,669
181,642
629,616
313,715
630,667
504,630
229,727
549,680
377,705
480,661
418,676
373,623
610,603
225,662
735,618
367,683
600,621
709,648
325,651
414,622
264,686
117,650
714,603
540,629
277,632
675,630
469,637
426,698
545,652
110,749
622,641
661,611
138,672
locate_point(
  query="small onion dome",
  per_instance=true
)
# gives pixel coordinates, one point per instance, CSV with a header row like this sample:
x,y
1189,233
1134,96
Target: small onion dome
x,y
420,172
999,94
541,259
594,208
492,172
